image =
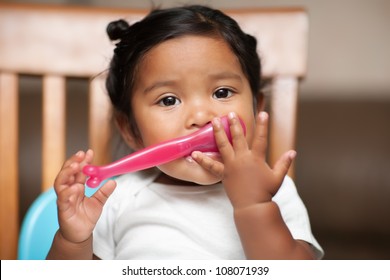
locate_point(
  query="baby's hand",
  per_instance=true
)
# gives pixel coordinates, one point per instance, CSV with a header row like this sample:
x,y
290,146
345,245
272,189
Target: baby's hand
x,y
246,176
78,214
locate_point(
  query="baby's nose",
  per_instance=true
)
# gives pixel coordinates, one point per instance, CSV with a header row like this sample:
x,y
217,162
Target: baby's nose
x,y
201,114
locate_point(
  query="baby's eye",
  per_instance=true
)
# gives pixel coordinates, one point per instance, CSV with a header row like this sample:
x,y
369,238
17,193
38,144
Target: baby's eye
x,y
222,93
169,101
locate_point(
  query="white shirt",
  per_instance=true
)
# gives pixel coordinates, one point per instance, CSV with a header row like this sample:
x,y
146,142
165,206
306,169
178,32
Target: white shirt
x,y
147,220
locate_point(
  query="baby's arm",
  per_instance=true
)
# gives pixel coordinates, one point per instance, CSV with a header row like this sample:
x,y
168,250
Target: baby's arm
x,y
77,214
250,185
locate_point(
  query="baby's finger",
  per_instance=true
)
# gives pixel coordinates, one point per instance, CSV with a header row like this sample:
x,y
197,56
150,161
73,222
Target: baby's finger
x,y
66,176
260,140
223,144
283,164
215,167
237,133
104,192
77,157
88,157
69,197
81,177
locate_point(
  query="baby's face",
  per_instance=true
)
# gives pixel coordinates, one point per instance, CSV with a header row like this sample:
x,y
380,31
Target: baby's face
x,y
182,85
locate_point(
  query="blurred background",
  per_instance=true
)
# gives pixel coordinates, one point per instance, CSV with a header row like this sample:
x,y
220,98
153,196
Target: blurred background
x,y
343,144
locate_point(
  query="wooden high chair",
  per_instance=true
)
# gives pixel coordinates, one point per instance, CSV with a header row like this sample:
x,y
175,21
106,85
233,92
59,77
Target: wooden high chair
x,y
55,42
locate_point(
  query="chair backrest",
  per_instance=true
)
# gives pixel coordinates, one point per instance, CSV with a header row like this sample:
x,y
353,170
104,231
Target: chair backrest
x,y
40,225
55,42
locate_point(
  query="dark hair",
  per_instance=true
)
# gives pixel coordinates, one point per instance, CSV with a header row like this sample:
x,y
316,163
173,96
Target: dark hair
x,y
161,25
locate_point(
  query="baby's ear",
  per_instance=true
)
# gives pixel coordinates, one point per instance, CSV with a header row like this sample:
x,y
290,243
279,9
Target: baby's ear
x,y
133,141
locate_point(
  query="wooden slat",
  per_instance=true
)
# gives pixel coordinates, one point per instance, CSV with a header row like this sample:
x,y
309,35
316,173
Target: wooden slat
x,y
9,189
99,121
282,35
54,123
282,38
62,40
284,98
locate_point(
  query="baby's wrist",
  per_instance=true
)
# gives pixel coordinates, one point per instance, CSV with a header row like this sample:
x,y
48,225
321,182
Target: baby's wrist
x,y
250,202
67,250
262,207
67,241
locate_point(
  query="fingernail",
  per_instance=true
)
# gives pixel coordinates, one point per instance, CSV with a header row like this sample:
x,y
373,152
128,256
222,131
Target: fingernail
x,y
216,122
189,159
232,115
263,116
194,155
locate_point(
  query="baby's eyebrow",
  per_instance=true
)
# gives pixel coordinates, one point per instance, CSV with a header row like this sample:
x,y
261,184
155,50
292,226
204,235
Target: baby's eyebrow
x,y
214,77
159,84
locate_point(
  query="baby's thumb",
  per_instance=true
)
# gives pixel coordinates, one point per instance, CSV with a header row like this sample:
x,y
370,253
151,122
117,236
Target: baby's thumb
x,y
104,192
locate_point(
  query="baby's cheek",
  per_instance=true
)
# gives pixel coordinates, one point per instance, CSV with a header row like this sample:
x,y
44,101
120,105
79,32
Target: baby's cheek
x,y
249,133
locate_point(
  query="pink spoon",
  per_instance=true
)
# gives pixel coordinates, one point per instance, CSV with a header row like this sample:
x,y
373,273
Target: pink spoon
x,y
201,140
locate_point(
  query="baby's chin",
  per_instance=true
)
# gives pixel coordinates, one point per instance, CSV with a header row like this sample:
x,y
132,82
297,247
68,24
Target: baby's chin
x,y
187,171
207,180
